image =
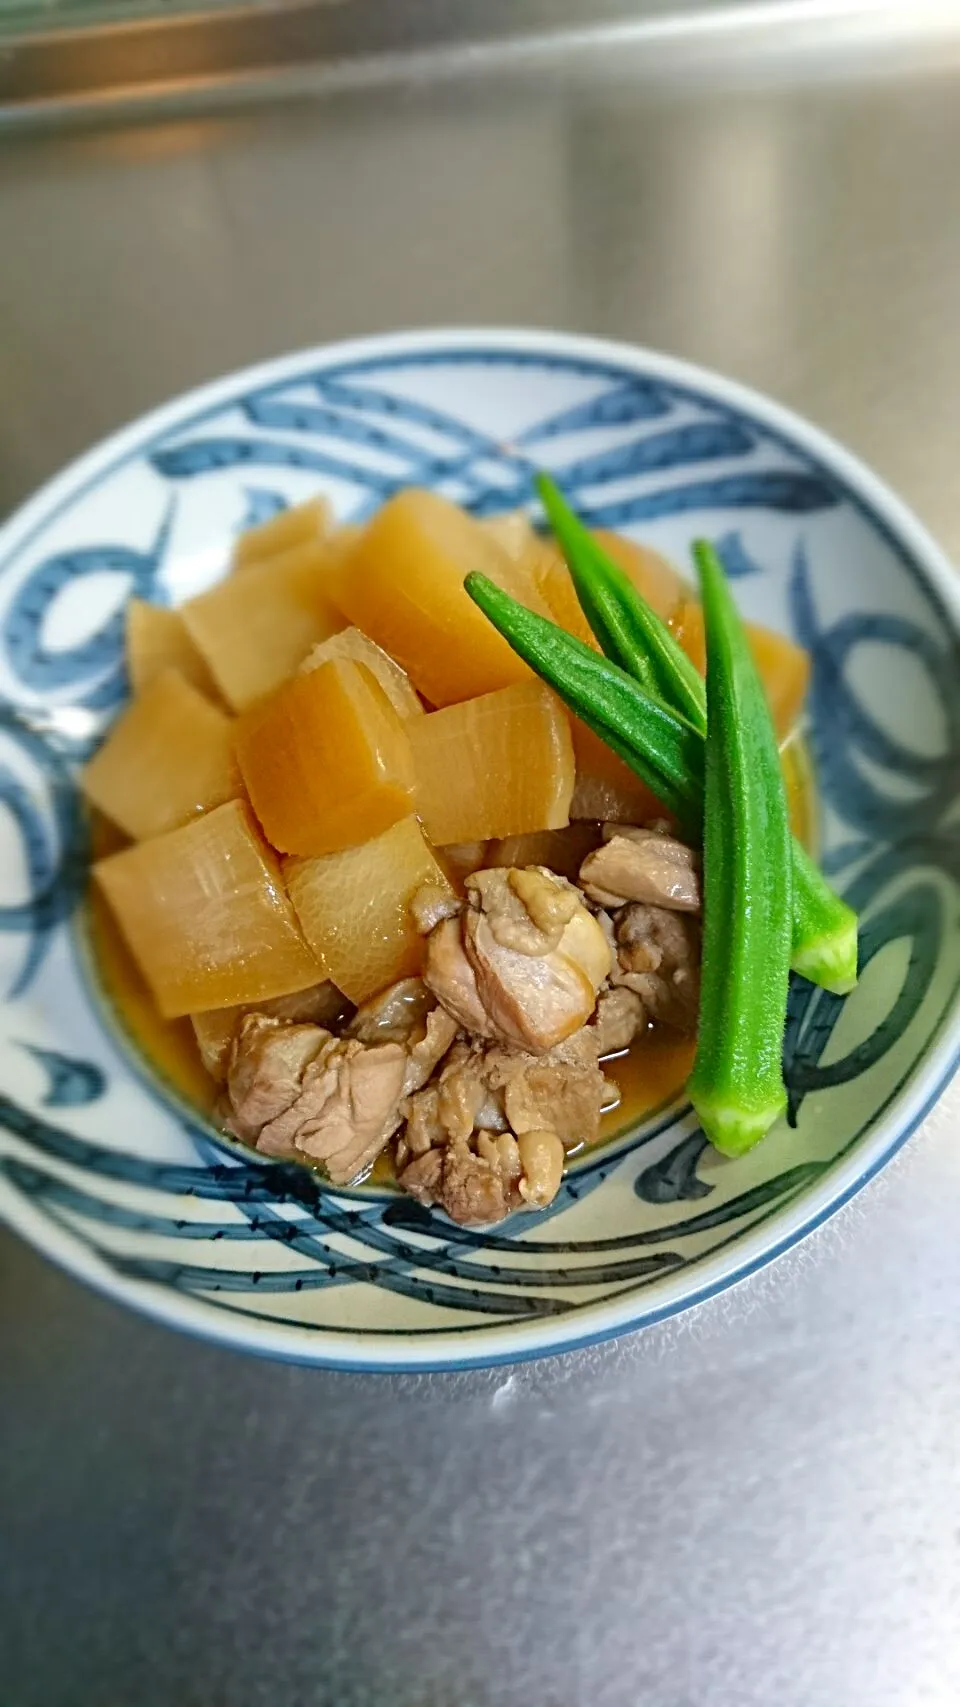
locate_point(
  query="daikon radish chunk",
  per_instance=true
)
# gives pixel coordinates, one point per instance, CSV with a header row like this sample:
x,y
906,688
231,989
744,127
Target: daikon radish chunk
x,y
169,1044
255,629
168,758
462,859
320,1004
326,760
350,643
336,547
560,850
654,577
403,586
542,562
783,667
784,670
552,580
299,525
606,787
206,915
157,639
498,765
354,907
513,531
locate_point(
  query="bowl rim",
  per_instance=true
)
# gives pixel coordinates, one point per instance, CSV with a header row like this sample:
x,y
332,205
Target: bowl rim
x,y
889,1130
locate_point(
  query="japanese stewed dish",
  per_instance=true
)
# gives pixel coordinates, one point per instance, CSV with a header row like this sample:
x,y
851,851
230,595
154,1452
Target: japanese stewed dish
x,y
372,892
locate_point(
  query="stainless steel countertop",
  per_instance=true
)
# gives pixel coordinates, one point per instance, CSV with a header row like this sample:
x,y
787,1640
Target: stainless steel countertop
x,y
757,1504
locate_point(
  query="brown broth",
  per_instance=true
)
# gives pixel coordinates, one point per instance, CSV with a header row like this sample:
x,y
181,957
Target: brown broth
x,y
649,1074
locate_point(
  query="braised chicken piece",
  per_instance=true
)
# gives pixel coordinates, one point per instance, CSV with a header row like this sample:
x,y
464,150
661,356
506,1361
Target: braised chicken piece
x,y
407,1013
430,905
524,961
424,1055
475,1186
265,1070
541,1167
321,1004
527,909
487,1086
620,1017
658,958
465,1100
490,1134
484,1073
563,1091
450,976
359,1112
642,865
297,1092
481,1184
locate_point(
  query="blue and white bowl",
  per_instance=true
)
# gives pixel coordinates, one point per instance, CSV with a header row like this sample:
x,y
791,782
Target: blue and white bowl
x,y
107,1172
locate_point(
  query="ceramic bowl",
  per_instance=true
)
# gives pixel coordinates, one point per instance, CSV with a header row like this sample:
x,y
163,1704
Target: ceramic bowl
x,y
103,1168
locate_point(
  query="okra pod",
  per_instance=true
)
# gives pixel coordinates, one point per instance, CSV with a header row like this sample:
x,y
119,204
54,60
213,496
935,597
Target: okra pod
x,y
627,628
633,636
663,749
736,1085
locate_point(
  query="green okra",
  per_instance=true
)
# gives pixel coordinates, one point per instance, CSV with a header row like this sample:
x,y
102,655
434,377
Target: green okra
x,y
663,749
627,628
634,637
736,1085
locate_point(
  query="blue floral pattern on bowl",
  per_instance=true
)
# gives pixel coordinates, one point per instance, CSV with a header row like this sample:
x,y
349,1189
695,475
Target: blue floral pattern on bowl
x,y
106,1169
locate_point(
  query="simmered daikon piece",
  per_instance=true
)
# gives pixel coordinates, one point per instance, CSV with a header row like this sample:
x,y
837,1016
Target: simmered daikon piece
x,y
299,525
156,640
543,563
560,850
255,629
206,914
552,578
320,1004
606,787
169,1044
512,530
784,667
402,584
462,859
350,643
784,670
167,758
354,907
326,761
540,564
654,577
498,765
